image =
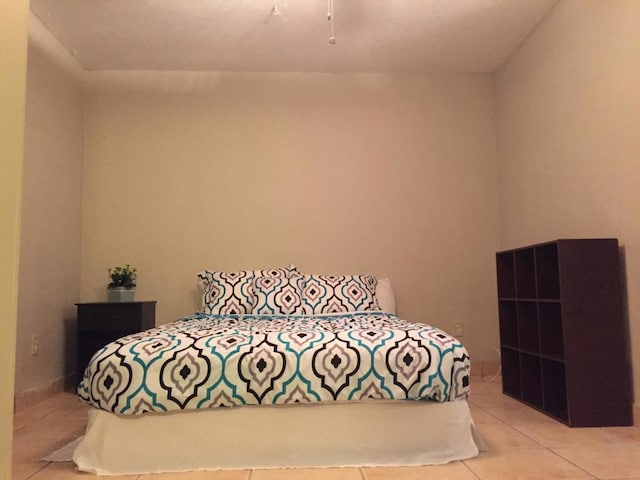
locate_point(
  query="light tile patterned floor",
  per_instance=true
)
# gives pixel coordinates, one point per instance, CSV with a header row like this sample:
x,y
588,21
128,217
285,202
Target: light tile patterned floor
x,y
523,444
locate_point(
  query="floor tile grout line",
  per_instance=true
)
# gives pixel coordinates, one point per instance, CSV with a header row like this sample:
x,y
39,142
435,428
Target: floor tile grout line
x,y
490,414
33,474
528,436
464,462
21,428
592,475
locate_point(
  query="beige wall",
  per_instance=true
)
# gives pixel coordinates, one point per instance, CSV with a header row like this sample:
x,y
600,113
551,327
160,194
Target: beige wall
x,y
568,112
13,57
51,213
393,175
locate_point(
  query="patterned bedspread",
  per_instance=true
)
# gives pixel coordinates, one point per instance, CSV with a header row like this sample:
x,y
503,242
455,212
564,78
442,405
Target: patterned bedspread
x,y
209,361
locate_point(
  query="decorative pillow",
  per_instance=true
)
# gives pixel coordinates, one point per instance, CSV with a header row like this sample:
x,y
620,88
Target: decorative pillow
x,y
232,292
280,296
339,293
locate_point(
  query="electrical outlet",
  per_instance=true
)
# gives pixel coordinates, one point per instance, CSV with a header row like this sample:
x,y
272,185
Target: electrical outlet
x,y
35,344
458,330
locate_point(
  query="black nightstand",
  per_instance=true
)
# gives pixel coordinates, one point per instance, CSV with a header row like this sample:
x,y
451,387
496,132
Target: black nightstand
x,y
101,322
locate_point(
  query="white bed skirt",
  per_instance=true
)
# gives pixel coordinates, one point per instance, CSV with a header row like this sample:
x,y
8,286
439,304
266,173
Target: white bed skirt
x,y
378,433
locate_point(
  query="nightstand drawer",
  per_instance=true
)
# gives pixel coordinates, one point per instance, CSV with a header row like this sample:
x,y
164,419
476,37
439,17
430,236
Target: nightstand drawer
x,y
134,316
108,317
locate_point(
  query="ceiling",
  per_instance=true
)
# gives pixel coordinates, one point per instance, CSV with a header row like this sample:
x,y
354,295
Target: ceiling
x,y
253,36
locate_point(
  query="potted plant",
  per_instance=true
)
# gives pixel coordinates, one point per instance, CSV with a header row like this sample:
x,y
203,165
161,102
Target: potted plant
x,y
122,287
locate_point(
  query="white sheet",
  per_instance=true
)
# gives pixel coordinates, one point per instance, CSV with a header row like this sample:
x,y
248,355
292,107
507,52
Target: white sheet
x,y
380,433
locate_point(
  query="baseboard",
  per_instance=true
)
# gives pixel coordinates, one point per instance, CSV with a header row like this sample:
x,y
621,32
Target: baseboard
x,y
490,368
29,398
485,369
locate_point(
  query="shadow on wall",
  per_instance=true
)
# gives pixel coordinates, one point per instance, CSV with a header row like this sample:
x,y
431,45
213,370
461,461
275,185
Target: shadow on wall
x,y
70,351
196,297
625,313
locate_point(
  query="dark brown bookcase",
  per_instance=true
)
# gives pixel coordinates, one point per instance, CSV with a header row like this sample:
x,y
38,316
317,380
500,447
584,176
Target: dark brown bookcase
x,y
562,331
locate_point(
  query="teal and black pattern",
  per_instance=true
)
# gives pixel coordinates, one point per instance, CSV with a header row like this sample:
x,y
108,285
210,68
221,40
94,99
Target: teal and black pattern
x,y
339,293
232,292
208,361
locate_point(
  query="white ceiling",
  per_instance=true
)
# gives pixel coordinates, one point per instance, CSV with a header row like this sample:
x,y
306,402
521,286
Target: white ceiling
x,y
244,35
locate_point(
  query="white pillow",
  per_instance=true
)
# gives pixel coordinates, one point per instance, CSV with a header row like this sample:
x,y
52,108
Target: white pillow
x,y
385,296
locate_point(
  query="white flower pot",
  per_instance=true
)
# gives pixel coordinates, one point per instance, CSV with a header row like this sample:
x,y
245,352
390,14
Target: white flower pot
x,y
120,294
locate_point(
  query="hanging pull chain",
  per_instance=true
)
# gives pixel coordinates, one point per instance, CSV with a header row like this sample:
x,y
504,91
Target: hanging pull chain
x,y
332,38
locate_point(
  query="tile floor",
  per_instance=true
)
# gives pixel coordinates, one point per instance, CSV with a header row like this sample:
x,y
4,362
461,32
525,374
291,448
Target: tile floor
x,y
523,444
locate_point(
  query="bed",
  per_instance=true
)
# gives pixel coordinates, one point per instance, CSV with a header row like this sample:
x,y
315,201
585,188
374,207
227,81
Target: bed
x,y
278,369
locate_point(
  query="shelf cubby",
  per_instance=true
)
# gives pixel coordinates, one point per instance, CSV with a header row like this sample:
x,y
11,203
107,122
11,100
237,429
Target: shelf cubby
x,y
550,322
531,378
547,274
508,323
525,273
528,338
554,391
506,275
511,372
